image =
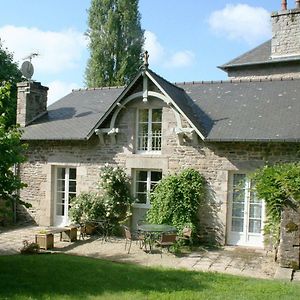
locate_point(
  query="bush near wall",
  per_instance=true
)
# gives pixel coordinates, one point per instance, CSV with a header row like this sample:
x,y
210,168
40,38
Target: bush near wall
x,y
176,200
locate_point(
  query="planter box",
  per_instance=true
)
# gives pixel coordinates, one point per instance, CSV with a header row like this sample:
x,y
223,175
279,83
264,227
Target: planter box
x,y
45,240
69,235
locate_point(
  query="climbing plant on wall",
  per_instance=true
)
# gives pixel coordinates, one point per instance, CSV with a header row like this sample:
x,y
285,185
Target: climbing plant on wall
x,y
176,200
279,187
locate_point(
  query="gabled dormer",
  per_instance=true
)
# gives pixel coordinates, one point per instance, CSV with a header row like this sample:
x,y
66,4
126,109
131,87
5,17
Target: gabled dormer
x,y
149,94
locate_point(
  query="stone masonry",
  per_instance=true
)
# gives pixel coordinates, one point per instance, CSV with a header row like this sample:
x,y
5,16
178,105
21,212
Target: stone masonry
x,y
32,101
289,248
214,160
286,33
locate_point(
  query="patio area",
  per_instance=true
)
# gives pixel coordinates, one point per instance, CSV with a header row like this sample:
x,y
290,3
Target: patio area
x,y
231,260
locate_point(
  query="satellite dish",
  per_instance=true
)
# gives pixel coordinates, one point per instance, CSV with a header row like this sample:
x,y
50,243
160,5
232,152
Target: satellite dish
x,y
27,69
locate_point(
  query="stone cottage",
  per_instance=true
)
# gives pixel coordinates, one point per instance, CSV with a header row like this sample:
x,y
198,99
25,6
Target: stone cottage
x,y
152,127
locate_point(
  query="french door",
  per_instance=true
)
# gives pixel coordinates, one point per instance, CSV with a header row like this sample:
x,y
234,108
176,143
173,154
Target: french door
x,y
246,213
65,191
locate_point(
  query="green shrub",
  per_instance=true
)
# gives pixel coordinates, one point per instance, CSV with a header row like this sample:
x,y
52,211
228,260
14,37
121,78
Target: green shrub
x,y
87,207
115,190
111,203
176,200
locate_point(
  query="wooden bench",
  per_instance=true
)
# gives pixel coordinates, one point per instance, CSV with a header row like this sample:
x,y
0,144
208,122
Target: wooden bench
x,y
46,239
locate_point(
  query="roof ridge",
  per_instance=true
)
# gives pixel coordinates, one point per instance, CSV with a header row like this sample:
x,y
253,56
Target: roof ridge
x,y
99,88
237,80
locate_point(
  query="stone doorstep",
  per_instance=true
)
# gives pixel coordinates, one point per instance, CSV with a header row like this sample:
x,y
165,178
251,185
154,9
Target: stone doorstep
x,y
296,276
283,274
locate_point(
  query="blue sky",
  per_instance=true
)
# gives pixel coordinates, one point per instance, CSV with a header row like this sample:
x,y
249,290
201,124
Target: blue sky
x,y
186,40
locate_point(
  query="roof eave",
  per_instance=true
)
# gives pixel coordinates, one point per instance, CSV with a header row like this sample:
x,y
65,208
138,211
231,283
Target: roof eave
x,y
259,63
296,140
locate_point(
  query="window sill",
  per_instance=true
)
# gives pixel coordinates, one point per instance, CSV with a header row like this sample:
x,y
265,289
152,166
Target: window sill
x,y
141,205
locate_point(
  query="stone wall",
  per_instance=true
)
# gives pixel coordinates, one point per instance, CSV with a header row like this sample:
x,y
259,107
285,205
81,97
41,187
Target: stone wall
x,y
289,248
32,101
214,160
270,71
286,33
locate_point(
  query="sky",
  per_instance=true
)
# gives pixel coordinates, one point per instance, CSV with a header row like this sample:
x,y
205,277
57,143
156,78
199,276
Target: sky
x,y
186,39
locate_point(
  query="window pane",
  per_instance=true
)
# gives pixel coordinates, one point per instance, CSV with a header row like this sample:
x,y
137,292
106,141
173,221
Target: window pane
x,y
61,173
60,208
255,211
143,128
156,128
60,197
61,185
156,115
238,210
155,176
237,225
255,226
72,174
239,180
141,175
141,187
72,186
239,196
141,198
143,115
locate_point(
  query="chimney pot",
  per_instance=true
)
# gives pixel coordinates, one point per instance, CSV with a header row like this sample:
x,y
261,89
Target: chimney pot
x,y
283,4
297,3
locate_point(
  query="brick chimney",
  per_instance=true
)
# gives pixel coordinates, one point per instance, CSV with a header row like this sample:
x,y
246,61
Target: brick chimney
x,y
32,102
286,31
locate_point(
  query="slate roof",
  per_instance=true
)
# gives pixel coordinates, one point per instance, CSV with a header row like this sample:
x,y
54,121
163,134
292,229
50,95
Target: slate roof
x,y
221,111
249,110
257,56
74,116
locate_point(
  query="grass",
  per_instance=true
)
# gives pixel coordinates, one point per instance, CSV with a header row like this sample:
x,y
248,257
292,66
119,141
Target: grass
x,y
59,276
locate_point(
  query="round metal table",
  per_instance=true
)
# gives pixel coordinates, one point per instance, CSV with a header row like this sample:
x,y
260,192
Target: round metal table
x,y
156,228
151,232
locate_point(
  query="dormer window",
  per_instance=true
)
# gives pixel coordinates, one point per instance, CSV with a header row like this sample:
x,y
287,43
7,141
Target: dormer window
x,y
149,126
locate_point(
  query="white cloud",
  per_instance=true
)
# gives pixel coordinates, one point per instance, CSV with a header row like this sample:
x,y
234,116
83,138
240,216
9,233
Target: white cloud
x,y
155,49
59,89
159,55
58,51
242,22
181,59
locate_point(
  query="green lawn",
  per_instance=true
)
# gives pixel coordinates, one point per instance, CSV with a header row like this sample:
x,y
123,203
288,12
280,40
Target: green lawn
x,y
58,276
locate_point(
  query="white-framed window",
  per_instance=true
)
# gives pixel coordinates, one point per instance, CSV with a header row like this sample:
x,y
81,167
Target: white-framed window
x,y
144,183
65,192
149,129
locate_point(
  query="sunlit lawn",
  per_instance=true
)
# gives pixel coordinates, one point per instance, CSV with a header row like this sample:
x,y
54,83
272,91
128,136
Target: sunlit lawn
x,y
58,276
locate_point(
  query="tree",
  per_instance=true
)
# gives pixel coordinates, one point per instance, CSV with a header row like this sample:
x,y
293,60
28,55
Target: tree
x,y
11,149
115,41
9,76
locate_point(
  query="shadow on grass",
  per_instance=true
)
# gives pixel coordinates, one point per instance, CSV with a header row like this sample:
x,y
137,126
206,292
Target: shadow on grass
x,y
39,276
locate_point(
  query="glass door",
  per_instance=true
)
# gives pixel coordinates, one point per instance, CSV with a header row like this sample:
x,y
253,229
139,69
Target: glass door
x,y
65,192
246,213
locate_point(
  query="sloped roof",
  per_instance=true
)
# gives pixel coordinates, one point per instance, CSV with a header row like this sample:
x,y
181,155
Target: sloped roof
x,y
249,110
221,111
182,100
257,56
74,116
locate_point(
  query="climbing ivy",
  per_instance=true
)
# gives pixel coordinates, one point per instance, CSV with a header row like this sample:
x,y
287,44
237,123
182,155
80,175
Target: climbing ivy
x,y
279,187
176,200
